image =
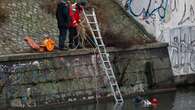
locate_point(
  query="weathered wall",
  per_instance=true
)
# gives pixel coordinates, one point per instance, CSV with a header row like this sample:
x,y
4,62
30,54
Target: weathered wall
x,y
50,78
117,27
37,17
171,21
24,18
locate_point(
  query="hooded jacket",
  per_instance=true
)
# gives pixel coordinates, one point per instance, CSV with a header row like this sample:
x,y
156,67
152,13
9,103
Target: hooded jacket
x,y
62,15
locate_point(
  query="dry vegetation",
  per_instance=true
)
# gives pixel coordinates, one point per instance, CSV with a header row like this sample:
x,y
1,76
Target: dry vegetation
x,y
111,37
132,33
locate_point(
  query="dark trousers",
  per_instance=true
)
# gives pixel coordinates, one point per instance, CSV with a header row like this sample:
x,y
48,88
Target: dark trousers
x,y
62,37
73,38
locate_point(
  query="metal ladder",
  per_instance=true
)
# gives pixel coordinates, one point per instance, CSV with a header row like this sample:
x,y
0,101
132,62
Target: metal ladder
x,y
104,56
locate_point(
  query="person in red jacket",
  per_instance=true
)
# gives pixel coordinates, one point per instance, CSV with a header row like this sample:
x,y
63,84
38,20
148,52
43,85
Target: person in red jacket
x,y
74,13
77,13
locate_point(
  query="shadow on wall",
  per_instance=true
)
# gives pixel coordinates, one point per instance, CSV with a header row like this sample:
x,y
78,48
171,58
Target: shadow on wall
x,y
118,28
117,40
150,75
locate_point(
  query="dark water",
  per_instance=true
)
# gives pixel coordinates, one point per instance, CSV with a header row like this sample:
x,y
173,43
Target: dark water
x,y
182,99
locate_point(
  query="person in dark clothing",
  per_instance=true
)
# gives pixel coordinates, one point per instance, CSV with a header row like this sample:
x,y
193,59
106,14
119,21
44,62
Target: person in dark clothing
x,y
63,20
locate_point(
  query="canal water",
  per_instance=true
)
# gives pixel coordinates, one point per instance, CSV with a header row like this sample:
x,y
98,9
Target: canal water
x,y
182,99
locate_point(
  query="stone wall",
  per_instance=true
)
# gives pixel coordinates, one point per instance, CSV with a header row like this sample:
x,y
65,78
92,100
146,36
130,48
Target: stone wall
x,y
171,21
24,18
70,76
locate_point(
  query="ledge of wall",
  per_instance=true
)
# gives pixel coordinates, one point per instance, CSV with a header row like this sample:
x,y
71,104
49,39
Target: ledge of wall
x,y
29,56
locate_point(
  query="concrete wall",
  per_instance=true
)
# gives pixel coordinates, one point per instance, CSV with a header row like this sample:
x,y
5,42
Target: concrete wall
x,y
65,77
171,21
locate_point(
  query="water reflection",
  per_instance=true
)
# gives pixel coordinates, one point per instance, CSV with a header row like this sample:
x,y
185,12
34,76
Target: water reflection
x,y
184,100
118,106
181,100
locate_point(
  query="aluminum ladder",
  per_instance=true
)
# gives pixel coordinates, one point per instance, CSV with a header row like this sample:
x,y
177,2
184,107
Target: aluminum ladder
x,y
104,56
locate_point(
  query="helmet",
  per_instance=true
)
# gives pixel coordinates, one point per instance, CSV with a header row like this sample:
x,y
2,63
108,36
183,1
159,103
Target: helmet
x,y
154,100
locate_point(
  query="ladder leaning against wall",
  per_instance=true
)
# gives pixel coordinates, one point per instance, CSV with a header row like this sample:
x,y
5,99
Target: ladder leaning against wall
x,y
104,56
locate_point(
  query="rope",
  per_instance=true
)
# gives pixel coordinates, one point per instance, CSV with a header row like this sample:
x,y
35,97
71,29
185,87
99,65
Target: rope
x,y
83,36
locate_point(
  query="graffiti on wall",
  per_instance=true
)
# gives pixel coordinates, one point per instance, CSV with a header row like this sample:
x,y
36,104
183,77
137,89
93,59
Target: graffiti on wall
x,y
182,49
148,12
170,21
179,33
187,17
149,9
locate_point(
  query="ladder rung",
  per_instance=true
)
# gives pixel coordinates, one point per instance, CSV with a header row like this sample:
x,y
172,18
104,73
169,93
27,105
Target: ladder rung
x,y
89,15
120,100
112,77
96,30
98,38
92,22
101,45
114,85
106,61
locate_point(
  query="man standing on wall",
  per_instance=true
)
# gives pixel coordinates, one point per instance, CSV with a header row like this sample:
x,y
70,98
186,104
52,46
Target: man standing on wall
x,y
63,19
